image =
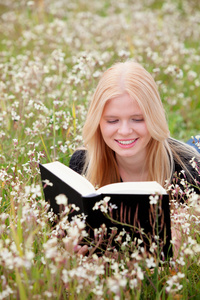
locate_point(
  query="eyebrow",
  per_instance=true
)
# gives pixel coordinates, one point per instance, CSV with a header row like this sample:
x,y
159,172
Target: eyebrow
x,y
113,116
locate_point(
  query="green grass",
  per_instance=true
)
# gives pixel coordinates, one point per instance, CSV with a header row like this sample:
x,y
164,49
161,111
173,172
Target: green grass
x,y
49,51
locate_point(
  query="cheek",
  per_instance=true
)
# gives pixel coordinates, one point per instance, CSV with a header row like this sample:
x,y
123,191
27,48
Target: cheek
x,y
146,130
147,134
143,130
106,130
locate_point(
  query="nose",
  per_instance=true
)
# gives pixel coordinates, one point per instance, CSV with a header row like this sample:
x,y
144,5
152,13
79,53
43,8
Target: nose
x,y
125,129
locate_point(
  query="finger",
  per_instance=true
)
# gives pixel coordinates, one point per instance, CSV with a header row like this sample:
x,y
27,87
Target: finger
x,y
83,250
77,248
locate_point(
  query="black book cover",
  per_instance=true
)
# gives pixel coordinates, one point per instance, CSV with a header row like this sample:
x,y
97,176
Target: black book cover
x,y
134,210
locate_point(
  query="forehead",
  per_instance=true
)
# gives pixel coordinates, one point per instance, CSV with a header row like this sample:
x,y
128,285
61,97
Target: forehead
x,y
122,104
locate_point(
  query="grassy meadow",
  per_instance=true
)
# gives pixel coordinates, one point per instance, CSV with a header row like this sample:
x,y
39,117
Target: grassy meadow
x,y
52,54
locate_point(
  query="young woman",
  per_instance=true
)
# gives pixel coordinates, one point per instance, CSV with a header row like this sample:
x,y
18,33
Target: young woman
x,y
126,135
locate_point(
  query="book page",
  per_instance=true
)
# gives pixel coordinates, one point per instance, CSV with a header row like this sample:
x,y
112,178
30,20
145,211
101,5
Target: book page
x,y
139,187
70,177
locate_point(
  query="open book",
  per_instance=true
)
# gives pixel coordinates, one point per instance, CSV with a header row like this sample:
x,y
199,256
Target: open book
x,y
131,200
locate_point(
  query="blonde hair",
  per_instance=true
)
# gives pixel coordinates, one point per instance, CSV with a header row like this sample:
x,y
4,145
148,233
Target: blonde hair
x,y
131,78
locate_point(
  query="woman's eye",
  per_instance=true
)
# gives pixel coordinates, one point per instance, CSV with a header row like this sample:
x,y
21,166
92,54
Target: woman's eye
x,y
112,121
138,120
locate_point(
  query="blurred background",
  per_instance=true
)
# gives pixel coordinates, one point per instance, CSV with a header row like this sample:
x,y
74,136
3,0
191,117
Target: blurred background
x,y
52,53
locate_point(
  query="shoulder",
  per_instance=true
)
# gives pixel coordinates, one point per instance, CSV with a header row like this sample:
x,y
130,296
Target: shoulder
x,y
184,150
186,159
184,153
77,161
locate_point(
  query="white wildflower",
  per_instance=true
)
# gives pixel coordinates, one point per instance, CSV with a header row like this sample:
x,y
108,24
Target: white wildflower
x,y
180,261
97,74
140,274
47,294
79,223
61,199
150,262
196,248
153,247
180,275
194,163
102,205
189,251
29,255
113,285
136,255
47,182
153,199
73,232
63,148
191,75
133,283
76,208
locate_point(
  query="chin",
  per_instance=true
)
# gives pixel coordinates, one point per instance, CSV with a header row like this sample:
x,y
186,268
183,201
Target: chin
x,y
126,154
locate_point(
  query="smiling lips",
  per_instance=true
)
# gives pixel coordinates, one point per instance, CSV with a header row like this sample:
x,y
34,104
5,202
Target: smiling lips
x,y
126,143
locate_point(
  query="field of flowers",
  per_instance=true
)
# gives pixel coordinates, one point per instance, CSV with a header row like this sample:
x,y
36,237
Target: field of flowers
x,y
52,53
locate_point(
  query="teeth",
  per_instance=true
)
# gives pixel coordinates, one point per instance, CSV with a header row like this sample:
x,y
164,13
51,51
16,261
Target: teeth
x,y
126,142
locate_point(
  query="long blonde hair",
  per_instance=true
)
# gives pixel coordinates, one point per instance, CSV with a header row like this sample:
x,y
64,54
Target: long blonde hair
x,y
128,77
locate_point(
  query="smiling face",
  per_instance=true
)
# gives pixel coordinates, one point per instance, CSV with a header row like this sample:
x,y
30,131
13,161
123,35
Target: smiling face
x,y
123,127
